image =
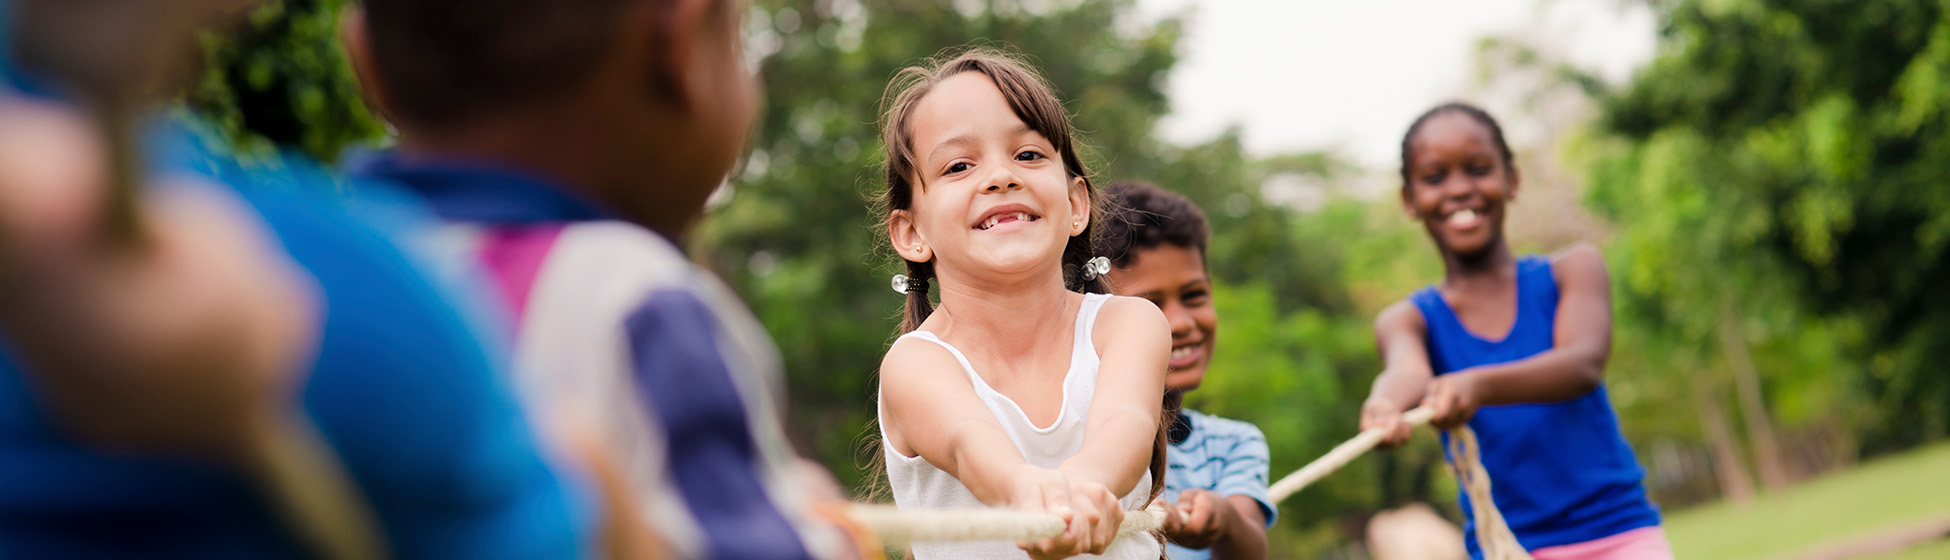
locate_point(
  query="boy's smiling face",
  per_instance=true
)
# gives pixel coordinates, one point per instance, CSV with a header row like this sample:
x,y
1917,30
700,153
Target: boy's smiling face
x,y
1174,278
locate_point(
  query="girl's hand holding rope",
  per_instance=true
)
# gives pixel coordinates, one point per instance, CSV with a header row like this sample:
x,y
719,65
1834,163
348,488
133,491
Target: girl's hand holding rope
x,y
1089,511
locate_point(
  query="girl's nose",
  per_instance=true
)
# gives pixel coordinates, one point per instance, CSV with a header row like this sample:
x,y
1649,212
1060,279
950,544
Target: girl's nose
x,y
1003,180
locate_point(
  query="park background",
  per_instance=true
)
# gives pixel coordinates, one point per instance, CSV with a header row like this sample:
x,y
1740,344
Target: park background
x,y
1769,181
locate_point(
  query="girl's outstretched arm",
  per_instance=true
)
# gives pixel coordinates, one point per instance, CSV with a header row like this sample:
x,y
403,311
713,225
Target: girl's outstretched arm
x,y
929,408
1573,367
1402,338
1135,343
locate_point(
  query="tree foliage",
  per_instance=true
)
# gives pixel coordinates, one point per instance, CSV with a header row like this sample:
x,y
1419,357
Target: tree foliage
x,y
1783,162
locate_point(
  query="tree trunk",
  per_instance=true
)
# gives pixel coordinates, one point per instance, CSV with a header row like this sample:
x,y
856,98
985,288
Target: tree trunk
x,y
1735,486
1753,408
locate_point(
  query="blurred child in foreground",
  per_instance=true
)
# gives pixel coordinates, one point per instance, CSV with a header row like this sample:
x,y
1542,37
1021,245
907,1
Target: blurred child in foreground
x,y
137,368
569,145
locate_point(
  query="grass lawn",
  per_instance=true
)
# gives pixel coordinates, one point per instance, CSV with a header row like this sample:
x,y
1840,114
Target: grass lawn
x,y
1936,550
1883,493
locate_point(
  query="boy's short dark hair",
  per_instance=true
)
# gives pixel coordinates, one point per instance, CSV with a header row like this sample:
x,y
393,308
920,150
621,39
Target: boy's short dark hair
x,y
1143,216
446,60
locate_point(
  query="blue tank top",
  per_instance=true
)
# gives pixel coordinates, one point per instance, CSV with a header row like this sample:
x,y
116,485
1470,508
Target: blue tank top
x,y
1561,473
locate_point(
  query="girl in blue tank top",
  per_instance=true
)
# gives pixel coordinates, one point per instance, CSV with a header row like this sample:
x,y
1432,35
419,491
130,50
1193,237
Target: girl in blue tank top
x,y
1515,348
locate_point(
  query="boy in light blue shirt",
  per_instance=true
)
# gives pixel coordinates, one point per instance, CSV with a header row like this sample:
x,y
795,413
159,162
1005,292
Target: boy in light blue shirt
x,y
1217,467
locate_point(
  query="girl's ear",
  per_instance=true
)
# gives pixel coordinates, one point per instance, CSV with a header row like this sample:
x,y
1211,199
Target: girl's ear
x,y
905,234
1510,194
1079,206
1408,202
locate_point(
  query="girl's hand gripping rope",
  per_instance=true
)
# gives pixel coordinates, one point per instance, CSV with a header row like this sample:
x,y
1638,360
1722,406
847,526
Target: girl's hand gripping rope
x,y
1089,511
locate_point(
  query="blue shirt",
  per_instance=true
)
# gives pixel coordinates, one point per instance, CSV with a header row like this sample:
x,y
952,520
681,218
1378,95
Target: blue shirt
x,y
1224,456
1561,473
402,388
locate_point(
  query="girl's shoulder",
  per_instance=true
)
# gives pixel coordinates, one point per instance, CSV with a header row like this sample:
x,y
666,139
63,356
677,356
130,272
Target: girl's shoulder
x,y
1124,317
1582,264
1402,316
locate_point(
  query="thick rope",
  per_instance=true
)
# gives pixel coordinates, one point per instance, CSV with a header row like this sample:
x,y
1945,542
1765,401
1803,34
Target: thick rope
x,y
983,524
1464,461
310,488
1338,457
1492,533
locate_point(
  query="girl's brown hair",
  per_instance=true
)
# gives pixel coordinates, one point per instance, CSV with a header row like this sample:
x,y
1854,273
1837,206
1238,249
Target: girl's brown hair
x,y
1034,101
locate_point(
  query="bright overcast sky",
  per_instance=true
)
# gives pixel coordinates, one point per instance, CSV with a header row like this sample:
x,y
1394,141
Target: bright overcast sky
x,y
1351,75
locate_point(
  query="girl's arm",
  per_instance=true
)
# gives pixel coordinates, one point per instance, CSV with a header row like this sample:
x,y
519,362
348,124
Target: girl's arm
x,y
1573,367
1135,342
930,409
1402,337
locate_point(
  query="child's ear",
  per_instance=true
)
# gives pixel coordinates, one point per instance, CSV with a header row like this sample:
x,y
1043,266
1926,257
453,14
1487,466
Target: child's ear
x,y
905,234
1510,194
358,51
1408,202
1079,205
674,30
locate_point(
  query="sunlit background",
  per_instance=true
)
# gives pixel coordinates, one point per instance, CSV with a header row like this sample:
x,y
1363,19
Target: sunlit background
x,y
1769,181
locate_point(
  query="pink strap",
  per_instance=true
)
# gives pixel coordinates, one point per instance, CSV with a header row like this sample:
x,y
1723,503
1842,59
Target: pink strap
x,y
514,255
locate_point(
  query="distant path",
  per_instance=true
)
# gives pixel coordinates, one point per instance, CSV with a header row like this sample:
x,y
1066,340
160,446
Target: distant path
x,y
1888,540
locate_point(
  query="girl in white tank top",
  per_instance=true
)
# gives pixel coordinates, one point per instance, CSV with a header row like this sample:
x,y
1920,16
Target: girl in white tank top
x,y
1020,392
916,483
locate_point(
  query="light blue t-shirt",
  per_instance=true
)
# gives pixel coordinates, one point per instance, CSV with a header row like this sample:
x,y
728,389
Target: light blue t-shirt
x,y
1225,456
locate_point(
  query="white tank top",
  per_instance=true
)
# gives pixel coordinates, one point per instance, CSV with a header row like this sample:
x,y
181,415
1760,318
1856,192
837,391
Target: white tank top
x,y
918,484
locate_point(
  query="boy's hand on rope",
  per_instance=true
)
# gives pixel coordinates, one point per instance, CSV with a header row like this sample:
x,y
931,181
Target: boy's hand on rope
x,y
1379,414
1452,400
1198,520
1088,509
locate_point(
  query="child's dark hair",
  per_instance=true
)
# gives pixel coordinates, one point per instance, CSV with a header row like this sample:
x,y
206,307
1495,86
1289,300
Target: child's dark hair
x,y
1144,216
1480,116
1033,101
446,60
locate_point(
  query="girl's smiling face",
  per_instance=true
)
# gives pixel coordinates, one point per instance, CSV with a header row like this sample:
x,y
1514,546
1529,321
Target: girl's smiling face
x,y
992,194
1459,183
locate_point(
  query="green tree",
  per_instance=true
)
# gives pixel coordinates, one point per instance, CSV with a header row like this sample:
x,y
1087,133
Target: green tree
x,y
279,79
1778,176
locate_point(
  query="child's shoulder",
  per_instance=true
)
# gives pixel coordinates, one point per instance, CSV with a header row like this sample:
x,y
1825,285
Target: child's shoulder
x,y
918,353
1125,316
1401,315
1580,263
1118,309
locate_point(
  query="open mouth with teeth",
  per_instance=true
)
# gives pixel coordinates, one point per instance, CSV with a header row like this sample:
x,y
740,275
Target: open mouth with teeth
x,y
1185,356
1006,218
1463,219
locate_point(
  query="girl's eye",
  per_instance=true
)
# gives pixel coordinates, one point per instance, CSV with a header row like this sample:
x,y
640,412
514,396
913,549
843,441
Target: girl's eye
x,y
1434,178
1479,170
1029,155
1195,297
957,167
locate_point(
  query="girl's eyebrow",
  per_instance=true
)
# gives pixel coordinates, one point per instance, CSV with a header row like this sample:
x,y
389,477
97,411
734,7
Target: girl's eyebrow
x,y
967,138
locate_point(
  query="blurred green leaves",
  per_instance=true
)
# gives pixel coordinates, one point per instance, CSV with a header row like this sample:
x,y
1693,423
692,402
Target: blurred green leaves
x,y
279,78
